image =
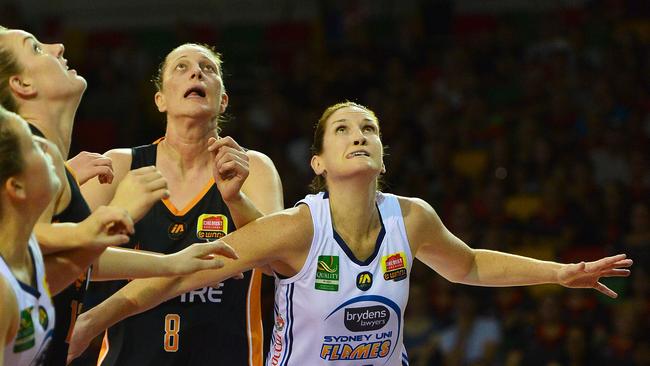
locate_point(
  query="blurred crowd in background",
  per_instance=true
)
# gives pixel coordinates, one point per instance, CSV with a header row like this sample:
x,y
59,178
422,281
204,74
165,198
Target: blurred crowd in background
x,y
529,132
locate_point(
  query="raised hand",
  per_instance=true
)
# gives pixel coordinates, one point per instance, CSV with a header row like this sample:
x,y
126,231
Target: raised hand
x,y
87,165
139,190
229,166
587,275
105,227
200,256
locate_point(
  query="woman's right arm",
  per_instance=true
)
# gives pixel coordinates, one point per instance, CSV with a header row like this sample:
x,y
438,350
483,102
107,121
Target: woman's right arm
x,y
287,239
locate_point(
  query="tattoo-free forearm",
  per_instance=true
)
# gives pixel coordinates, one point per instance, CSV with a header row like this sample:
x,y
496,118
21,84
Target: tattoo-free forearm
x,y
493,268
242,210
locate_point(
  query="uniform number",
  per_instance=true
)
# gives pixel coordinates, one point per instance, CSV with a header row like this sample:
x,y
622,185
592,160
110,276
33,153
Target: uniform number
x,y
172,328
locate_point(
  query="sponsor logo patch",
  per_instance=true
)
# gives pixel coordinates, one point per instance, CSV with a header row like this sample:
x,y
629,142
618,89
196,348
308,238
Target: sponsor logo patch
x,y
43,318
327,273
364,281
366,319
176,230
211,226
394,267
25,337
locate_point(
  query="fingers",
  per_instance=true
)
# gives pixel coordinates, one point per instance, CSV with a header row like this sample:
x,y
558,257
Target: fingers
x,y
217,247
605,290
616,273
215,144
116,218
104,174
616,261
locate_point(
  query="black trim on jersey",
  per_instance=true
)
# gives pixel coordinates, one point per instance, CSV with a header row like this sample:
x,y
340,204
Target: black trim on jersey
x,y
28,288
347,250
144,155
35,130
77,210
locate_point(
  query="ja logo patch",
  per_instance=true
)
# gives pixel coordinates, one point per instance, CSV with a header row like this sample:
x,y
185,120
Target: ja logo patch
x,y
364,281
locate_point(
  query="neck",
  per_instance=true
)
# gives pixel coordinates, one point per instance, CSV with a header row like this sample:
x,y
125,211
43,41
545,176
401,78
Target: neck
x,y
55,120
14,236
353,208
186,140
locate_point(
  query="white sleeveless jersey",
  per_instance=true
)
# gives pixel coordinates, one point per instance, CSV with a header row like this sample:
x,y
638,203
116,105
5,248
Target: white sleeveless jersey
x,y
36,314
338,310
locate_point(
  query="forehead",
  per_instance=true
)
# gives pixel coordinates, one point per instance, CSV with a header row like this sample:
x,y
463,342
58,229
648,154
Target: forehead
x,y
351,114
14,37
190,51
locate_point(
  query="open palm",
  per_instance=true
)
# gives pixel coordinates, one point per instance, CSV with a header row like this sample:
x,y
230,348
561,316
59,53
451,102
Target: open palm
x,y
588,274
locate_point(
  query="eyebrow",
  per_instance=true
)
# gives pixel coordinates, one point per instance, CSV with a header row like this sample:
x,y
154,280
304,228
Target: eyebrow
x,y
345,120
28,37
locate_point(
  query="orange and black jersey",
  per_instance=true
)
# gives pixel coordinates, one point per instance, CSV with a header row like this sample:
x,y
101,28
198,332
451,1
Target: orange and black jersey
x,y
217,325
69,302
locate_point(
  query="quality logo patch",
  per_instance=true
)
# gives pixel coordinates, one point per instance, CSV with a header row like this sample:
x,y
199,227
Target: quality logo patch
x,y
211,226
25,337
364,281
176,230
394,267
327,273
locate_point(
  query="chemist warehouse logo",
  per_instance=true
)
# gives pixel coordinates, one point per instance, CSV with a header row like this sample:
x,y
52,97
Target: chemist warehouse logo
x,y
211,226
394,267
369,339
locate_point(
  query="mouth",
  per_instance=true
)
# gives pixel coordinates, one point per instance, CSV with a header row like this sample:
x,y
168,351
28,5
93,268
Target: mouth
x,y
194,92
357,153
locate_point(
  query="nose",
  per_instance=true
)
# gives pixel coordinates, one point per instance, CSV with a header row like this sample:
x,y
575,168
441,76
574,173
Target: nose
x,y
197,72
59,49
360,139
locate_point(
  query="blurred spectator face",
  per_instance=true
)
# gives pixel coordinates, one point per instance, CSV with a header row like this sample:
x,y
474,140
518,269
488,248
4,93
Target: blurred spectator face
x,y
192,84
44,70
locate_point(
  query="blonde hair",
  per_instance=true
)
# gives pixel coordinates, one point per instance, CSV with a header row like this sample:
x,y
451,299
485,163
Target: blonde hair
x,y
8,67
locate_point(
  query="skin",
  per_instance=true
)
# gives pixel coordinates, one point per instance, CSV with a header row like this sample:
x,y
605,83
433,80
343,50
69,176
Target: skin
x,y
193,156
351,181
48,94
23,197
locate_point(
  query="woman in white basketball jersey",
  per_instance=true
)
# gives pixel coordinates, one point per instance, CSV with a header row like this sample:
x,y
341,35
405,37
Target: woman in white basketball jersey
x,y
28,182
342,259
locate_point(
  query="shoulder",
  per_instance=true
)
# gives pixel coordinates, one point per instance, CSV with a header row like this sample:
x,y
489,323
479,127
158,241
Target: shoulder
x,y
120,156
259,157
9,314
414,208
260,163
420,219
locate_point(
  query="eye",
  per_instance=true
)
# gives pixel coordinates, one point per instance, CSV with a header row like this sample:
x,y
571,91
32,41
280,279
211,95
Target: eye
x,y
37,47
181,66
369,128
210,67
340,129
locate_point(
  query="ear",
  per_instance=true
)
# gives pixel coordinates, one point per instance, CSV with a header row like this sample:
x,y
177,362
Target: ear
x,y
22,87
224,103
383,168
15,188
317,165
161,103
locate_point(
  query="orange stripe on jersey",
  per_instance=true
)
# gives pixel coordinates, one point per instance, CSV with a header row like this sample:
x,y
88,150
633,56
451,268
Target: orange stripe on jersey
x,y
74,174
103,352
254,319
170,206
